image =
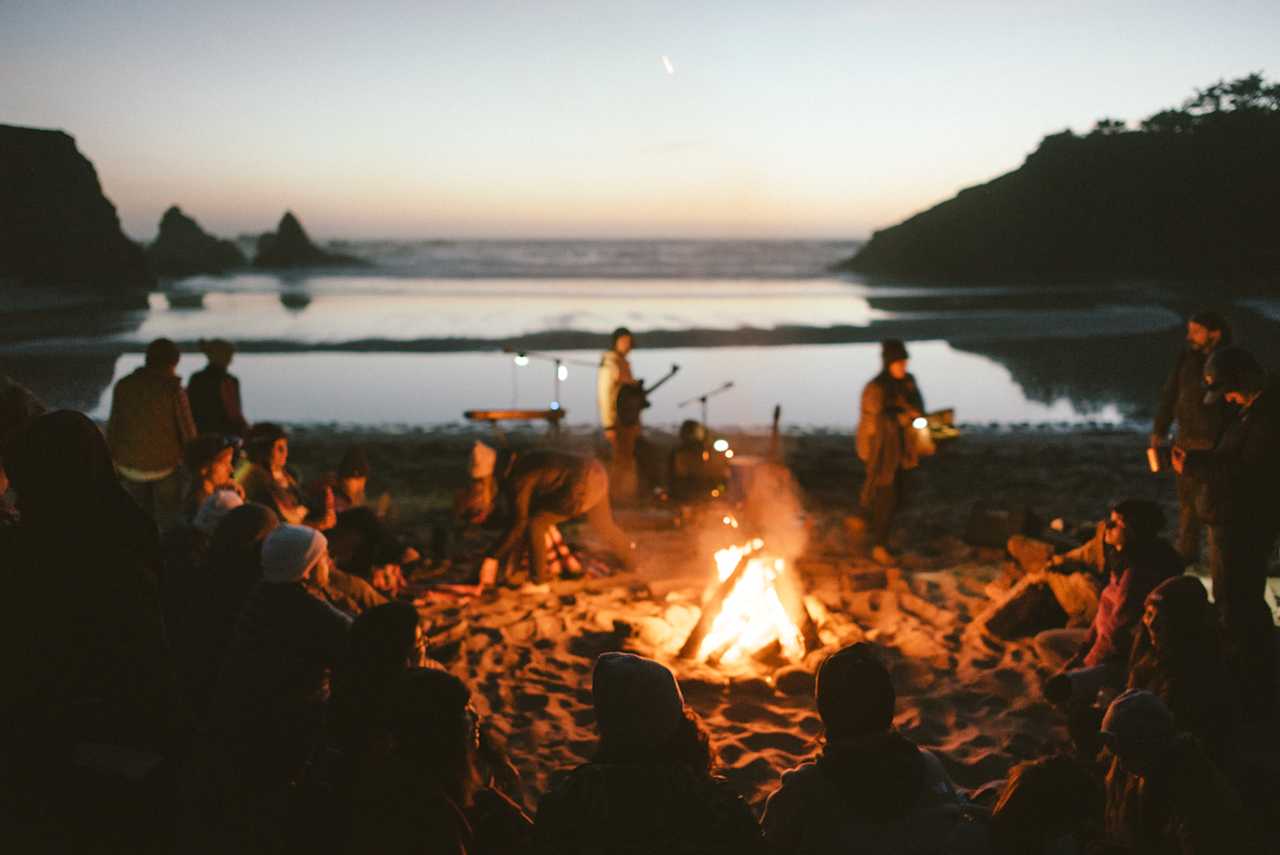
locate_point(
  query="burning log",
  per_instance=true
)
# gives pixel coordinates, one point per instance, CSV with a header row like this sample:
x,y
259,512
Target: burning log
x,y
711,610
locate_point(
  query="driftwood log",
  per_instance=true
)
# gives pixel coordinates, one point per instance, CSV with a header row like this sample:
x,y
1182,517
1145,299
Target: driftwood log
x,y
711,610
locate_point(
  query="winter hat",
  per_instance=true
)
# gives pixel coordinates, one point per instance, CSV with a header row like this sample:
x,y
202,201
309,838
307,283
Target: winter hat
x,y
215,508
891,350
290,551
354,464
1138,724
854,692
637,700
483,460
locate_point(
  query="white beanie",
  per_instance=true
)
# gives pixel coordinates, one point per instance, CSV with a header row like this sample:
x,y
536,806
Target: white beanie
x,y
483,460
290,551
217,506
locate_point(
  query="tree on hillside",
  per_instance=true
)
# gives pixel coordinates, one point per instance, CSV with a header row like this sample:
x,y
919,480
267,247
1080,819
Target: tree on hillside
x,y
1109,127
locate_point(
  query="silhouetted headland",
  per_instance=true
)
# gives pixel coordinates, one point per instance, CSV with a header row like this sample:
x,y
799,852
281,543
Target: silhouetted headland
x,y
59,229
1190,195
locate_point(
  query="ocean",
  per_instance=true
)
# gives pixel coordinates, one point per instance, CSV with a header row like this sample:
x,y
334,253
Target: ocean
x,y
431,329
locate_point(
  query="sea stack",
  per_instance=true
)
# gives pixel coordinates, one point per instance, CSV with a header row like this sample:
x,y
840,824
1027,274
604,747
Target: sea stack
x,y
182,248
289,246
58,227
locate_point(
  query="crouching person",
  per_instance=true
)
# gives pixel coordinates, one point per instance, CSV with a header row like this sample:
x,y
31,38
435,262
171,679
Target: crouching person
x,y
545,488
870,790
651,787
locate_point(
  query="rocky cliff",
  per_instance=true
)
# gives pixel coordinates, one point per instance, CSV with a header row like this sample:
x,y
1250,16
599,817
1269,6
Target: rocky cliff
x,y
56,226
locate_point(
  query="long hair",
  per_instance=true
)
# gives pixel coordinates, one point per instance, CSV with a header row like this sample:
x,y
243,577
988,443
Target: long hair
x,y
689,746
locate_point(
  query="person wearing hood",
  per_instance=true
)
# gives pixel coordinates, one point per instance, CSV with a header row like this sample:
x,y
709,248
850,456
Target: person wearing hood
x,y
1177,655
421,788
269,704
215,392
1182,403
1238,501
652,785
1049,806
1137,560
149,428
870,790
886,442
1181,804
89,702
546,487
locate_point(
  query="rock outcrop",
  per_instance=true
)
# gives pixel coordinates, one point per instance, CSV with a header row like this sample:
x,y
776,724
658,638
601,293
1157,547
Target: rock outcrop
x,y
56,226
289,246
182,248
1190,195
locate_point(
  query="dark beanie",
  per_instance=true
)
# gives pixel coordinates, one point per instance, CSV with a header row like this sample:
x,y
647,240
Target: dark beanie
x,y
892,350
637,700
204,449
1183,599
854,692
355,463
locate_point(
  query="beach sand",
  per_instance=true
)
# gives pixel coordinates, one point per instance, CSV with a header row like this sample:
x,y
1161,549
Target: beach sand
x,y
972,699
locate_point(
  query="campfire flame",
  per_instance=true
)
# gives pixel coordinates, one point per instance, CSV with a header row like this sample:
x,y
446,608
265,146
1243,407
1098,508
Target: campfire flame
x,y
753,615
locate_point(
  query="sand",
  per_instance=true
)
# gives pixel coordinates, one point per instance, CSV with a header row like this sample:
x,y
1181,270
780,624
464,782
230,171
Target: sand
x,y
972,699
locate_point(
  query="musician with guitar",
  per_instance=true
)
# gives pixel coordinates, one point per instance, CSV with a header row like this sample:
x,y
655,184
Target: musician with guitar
x,y
621,398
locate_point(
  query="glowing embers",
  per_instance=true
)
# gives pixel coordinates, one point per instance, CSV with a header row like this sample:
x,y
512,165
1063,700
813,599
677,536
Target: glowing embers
x,y
745,612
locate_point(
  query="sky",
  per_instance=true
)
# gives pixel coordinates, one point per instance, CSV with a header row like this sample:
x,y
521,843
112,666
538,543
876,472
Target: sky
x,y
479,119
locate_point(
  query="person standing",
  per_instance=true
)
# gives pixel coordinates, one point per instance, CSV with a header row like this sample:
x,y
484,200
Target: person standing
x,y
148,430
1182,401
621,425
1238,501
886,442
215,393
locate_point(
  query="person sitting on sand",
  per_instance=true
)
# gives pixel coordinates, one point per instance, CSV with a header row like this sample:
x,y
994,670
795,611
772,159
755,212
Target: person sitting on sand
x,y
362,546
421,788
886,442
210,462
1182,804
870,790
1048,806
269,705
545,487
651,786
266,480
1178,655
215,393
1137,559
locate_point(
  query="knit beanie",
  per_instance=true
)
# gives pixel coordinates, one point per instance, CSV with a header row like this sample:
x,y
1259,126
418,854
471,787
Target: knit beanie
x,y
215,508
1138,722
892,350
290,551
637,700
354,464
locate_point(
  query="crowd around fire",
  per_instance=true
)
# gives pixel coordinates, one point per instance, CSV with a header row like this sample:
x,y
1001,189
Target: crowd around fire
x,y
205,653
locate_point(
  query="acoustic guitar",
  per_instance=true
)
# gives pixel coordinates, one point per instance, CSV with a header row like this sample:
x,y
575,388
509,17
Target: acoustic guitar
x,y
633,398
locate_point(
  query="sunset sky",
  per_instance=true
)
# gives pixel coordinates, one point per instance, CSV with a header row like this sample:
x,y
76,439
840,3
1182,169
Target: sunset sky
x,y
561,119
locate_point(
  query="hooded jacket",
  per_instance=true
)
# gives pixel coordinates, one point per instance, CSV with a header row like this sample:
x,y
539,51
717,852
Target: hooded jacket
x,y
884,442
1182,401
873,794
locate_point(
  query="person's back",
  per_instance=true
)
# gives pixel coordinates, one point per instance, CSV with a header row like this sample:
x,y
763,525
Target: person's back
x,y
643,808
877,795
150,422
215,392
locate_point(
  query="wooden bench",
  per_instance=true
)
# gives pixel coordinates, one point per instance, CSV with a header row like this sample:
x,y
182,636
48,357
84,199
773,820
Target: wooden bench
x,y
550,416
